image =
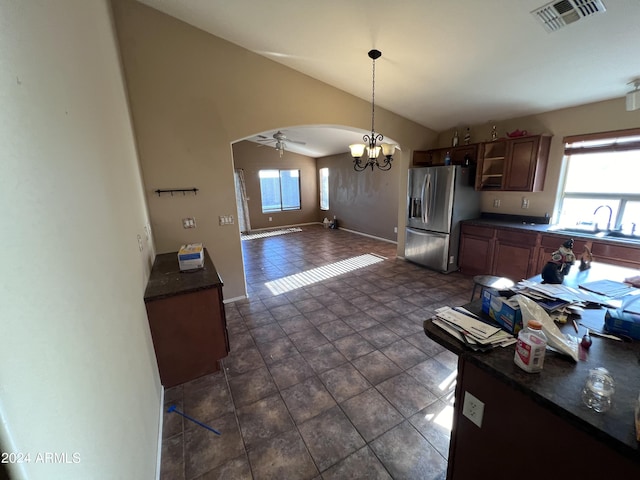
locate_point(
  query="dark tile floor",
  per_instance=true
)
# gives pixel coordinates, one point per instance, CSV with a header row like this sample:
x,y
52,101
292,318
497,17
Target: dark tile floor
x,y
333,379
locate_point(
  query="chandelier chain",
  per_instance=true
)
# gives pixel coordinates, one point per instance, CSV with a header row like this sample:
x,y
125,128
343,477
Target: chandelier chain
x,y
373,97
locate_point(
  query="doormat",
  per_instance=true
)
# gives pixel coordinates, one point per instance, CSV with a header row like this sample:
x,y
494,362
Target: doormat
x,y
271,233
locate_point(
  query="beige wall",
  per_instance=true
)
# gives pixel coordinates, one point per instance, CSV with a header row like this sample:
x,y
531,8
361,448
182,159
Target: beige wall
x,y
368,201
77,368
252,158
594,117
192,95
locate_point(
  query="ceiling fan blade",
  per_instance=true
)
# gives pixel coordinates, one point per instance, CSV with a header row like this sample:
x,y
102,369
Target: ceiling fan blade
x,y
297,141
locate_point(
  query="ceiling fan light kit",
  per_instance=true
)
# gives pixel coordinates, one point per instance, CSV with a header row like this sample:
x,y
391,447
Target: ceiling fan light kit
x,y
371,141
280,140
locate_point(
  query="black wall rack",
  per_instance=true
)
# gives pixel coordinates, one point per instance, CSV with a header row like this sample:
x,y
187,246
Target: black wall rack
x,y
184,191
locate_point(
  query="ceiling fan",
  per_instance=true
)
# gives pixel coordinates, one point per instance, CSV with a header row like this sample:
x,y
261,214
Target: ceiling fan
x,y
280,141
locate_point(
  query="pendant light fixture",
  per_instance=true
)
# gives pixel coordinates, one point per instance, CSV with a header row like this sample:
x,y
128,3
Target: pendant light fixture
x,y
371,142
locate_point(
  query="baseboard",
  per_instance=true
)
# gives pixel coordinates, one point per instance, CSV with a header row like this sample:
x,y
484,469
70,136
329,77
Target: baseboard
x,y
235,299
367,235
161,425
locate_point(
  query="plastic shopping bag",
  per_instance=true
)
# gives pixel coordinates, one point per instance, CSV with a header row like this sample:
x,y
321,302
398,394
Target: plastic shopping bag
x,y
555,338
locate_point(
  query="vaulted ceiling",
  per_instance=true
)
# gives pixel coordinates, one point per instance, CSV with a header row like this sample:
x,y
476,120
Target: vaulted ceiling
x,y
444,64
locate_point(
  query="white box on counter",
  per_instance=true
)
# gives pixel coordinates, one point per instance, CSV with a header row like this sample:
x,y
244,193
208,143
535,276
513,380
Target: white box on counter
x,y
191,256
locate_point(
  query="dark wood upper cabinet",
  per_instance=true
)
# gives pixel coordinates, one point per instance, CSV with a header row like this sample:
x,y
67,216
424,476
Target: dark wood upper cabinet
x,y
515,164
459,156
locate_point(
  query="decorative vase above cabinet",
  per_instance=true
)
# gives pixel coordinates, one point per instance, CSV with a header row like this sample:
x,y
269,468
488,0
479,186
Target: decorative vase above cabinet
x,y
516,164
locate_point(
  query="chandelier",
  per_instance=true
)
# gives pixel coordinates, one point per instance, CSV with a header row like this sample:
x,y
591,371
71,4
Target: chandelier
x,y
371,141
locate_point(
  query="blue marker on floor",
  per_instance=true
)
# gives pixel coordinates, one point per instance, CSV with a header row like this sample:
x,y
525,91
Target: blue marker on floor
x,y
172,408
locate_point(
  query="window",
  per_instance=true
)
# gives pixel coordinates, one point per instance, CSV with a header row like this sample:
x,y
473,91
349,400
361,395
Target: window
x,y
324,189
279,190
601,186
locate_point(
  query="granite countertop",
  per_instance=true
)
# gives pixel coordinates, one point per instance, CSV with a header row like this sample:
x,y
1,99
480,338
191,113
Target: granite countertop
x,y
167,280
558,387
541,225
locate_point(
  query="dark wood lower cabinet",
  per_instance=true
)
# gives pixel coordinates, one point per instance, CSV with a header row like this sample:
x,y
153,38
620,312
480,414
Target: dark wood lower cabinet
x,y
187,320
518,253
514,254
476,250
521,439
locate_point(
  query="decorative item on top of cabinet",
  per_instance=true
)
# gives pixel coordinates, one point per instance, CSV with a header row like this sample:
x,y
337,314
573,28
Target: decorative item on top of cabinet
x,y
514,164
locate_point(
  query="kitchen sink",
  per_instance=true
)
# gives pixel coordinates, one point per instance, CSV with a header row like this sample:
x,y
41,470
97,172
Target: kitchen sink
x,y
595,232
577,229
619,234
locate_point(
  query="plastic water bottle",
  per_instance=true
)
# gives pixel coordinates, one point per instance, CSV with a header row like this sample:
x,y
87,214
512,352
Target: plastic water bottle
x,y
447,159
531,347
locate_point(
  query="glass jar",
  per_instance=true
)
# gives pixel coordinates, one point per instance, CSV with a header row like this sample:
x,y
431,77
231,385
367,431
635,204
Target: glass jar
x,y
598,390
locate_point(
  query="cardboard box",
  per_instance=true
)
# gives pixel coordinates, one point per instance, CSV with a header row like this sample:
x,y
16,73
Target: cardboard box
x,y
503,310
622,323
191,256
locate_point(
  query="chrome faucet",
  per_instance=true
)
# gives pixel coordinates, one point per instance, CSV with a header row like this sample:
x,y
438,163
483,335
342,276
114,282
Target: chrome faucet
x,y
610,214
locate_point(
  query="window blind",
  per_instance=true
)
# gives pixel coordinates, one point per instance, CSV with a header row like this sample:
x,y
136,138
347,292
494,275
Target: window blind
x,y
615,141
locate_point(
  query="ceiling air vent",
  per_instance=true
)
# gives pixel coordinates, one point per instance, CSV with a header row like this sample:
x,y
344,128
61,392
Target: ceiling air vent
x,y
556,15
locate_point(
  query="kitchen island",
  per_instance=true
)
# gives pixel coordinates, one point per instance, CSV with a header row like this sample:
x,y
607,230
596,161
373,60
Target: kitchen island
x,y
535,425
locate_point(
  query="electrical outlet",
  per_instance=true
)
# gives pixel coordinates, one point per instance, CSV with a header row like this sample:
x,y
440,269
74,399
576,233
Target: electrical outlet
x,y
525,202
473,409
496,202
395,229
270,219
189,222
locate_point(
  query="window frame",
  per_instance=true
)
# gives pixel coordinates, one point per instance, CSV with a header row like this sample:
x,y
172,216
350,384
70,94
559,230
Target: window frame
x,y
601,142
320,188
279,177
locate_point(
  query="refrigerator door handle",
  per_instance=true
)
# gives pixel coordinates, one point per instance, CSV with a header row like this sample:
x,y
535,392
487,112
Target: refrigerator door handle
x,y
426,199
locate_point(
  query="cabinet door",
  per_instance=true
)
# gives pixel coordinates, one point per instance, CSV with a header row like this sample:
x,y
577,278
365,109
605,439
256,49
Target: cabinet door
x,y
422,158
514,254
476,250
458,154
615,254
521,163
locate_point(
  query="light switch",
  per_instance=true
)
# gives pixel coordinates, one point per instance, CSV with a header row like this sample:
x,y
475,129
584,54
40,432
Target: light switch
x,y
226,220
189,222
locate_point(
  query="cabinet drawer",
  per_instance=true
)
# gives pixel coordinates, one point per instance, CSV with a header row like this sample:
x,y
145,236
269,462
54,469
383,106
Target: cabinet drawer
x,y
518,238
476,231
618,254
553,242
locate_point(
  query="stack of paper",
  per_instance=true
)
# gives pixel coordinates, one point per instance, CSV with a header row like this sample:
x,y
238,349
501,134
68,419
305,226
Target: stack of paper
x,y
563,293
467,328
610,288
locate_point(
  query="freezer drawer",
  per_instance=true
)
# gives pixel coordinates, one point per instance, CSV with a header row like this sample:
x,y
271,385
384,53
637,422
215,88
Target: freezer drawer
x,y
430,249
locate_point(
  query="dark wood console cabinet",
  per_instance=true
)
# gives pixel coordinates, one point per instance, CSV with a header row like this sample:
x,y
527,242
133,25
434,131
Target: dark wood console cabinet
x,y
187,319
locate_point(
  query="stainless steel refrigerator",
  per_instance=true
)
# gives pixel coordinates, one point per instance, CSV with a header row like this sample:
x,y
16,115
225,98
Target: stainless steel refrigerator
x,y
438,199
